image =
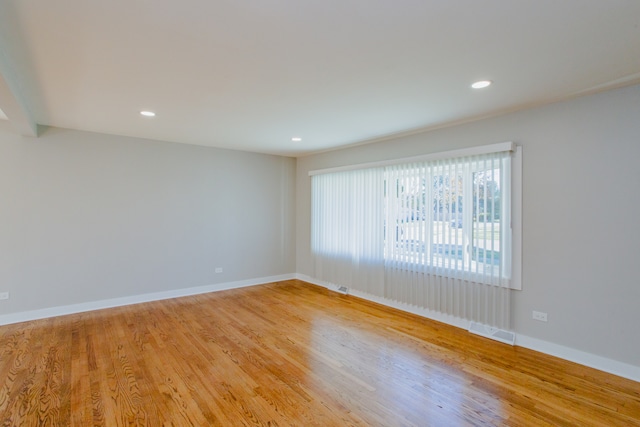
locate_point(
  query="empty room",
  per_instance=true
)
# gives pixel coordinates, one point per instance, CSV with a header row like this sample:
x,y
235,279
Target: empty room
x,y
336,213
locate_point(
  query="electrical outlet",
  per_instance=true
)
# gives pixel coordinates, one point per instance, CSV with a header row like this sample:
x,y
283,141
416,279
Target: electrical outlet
x,y
4,295
538,315
219,270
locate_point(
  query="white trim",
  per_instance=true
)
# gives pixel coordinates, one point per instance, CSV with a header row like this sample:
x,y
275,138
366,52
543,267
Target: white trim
x,y
463,152
605,364
600,363
516,219
135,299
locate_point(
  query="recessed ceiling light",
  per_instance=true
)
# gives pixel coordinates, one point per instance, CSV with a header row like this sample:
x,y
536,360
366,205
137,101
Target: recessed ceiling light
x,y
481,84
148,113
296,139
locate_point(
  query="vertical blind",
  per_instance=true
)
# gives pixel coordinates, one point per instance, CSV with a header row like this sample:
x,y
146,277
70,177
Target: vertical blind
x,y
432,233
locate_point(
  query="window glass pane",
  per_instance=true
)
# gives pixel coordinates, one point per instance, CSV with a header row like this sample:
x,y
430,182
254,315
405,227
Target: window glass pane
x,y
406,215
485,250
448,245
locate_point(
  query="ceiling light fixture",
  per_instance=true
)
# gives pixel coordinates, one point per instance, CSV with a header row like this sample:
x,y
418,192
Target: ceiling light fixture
x,y
296,139
481,84
148,113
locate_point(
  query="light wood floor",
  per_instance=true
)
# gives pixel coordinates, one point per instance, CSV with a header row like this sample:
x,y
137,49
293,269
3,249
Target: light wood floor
x,y
284,354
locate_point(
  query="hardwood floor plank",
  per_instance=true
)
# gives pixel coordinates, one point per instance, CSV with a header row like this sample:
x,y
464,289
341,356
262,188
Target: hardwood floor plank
x,y
288,354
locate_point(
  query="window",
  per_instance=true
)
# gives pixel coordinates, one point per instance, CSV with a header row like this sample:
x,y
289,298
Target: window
x,y
451,217
447,215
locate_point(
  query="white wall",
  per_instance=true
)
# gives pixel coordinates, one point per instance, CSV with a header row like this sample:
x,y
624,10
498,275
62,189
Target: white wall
x,y
87,217
581,210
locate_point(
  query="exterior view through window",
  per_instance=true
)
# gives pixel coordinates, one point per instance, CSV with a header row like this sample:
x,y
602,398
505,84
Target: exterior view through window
x,y
448,217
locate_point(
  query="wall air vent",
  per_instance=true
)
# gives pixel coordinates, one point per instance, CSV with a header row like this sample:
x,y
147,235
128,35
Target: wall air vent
x,y
343,290
487,331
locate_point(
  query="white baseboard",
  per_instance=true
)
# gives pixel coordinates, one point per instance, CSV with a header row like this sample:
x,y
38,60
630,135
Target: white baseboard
x,y
135,299
611,366
605,364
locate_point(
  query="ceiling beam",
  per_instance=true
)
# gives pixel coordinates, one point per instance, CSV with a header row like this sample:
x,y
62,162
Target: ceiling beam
x,y
11,101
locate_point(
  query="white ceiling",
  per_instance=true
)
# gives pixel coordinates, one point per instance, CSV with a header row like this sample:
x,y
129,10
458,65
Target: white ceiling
x,y
249,75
